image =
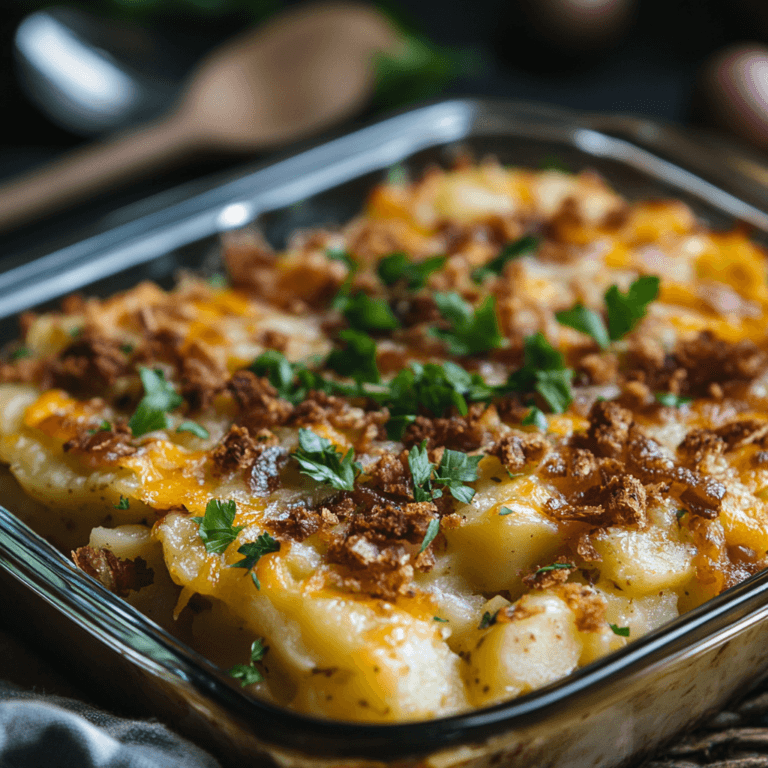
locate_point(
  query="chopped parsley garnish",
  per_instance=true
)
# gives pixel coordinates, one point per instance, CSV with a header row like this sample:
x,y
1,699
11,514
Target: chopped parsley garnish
x,y
194,428
432,530
420,387
506,511
357,360
554,567
252,553
127,349
248,674
397,266
421,472
397,174
364,313
488,620
105,426
319,459
338,254
159,398
455,470
544,372
124,503
274,366
626,310
554,163
680,513
535,418
620,631
21,352
471,332
670,400
438,618
293,380
76,331
510,251
433,388
218,280
586,321
216,529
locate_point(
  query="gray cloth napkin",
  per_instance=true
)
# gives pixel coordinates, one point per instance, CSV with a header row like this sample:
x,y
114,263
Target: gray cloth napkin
x,y
56,732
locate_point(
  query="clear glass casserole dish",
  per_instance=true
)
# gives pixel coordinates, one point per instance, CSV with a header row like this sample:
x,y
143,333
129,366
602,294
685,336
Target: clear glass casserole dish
x,y
607,713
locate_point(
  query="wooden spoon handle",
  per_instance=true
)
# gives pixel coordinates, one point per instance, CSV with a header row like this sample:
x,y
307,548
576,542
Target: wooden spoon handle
x,y
83,173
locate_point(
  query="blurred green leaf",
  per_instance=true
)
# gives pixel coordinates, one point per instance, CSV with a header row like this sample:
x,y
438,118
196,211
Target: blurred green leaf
x,y
418,70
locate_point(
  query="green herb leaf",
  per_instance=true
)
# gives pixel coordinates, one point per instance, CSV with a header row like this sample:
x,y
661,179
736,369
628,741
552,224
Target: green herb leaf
x,y
76,331
488,620
105,426
159,398
216,529
535,418
127,349
626,310
248,674
432,388
258,650
554,567
670,400
274,366
621,631
366,314
253,551
397,266
21,352
437,618
357,360
470,332
421,472
294,380
432,530
124,503
509,252
554,163
586,321
196,429
320,460
555,388
416,69
680,513
397,174
218,280
337,254
456,469
544,372
505,511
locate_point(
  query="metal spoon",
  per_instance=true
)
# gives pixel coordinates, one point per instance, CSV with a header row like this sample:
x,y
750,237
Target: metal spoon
x,y
92,76
302,71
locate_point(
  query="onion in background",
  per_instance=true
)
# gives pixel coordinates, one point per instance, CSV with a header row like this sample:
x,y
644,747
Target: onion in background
x,y
733,92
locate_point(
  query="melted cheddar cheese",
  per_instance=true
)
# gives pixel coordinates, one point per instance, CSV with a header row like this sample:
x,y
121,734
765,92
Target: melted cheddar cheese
x,y
586,526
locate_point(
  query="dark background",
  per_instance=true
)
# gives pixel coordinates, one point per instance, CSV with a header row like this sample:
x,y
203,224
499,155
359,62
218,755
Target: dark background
x,y
651,70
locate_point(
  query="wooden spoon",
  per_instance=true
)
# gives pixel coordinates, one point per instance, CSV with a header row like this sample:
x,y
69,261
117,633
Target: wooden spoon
x,y
304,70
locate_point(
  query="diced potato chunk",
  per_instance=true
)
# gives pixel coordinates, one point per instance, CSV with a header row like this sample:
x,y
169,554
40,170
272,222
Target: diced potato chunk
x,y
642,562
507,660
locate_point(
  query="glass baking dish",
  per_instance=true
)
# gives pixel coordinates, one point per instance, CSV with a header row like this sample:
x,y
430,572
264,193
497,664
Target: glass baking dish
x,y
607,714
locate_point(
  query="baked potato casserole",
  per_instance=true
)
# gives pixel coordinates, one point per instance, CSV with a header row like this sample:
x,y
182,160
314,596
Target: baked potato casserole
x,y
499,425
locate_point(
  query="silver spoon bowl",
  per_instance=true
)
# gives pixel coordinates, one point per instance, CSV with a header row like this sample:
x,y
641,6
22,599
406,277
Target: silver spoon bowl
x,y
92,76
